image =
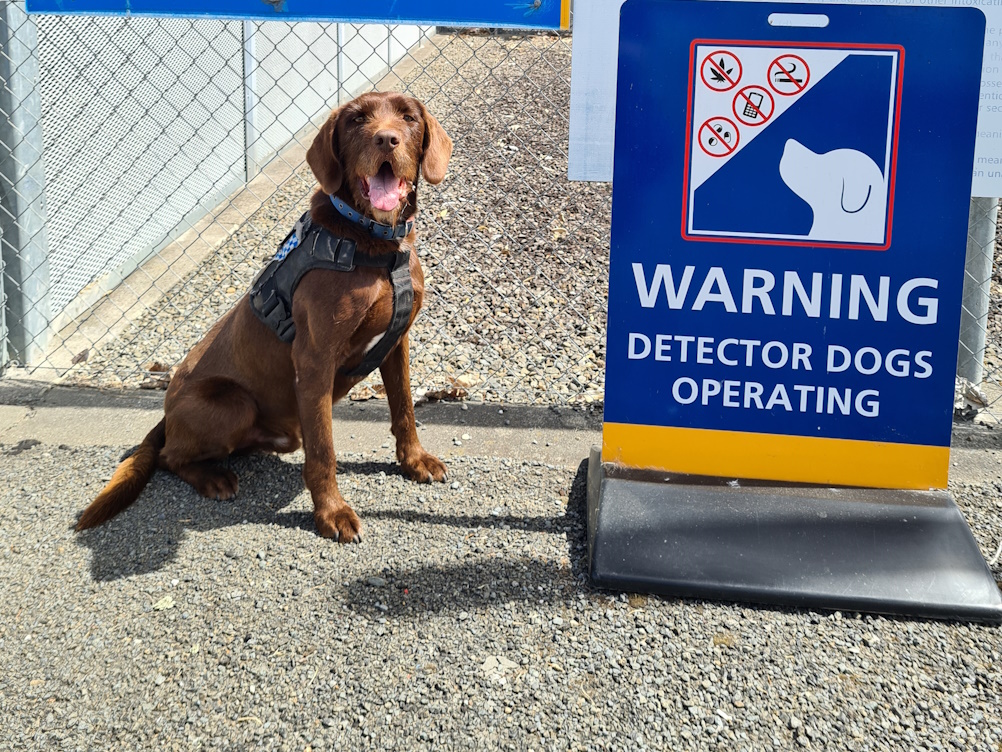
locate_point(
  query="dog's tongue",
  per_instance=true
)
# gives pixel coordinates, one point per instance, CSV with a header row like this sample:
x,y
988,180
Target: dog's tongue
x,y
384,189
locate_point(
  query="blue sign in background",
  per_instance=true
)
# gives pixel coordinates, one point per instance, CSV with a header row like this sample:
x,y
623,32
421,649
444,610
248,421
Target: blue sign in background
x,y
938,112
502,13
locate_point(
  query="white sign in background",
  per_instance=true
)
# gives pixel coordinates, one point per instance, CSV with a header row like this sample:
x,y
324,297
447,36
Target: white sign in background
x,y
593,91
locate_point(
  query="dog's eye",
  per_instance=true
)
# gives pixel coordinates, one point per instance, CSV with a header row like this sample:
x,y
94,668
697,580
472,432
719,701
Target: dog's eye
x,y
408,118
360,119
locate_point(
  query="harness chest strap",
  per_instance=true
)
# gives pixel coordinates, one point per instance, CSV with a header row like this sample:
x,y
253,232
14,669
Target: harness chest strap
x,y
310,246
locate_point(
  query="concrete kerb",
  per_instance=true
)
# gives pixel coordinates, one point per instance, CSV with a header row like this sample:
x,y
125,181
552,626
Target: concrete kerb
x,y
77,416
74,416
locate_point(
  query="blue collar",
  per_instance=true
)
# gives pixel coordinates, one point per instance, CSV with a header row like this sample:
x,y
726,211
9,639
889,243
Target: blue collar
x,y
376,229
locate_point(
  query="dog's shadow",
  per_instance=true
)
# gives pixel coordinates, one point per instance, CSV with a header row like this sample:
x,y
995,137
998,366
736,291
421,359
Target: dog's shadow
x,y
147,536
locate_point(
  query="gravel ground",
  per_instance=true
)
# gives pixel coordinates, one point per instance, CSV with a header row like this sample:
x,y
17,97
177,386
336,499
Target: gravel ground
x,y
463,621
515,256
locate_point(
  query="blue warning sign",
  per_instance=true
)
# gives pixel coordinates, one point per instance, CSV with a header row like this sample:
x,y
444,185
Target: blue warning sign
x,y
789,224
792,144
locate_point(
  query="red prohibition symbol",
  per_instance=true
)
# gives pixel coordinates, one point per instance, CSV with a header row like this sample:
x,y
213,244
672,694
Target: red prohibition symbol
x,y
720,70
753,105
789,75
718,137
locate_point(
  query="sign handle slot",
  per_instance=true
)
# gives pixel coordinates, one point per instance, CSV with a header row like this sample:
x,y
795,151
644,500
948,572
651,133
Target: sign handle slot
x,y
796,20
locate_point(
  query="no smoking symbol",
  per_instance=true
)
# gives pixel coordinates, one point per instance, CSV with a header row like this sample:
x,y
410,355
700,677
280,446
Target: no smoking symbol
x,y
720,71
753,105
718,137
789,75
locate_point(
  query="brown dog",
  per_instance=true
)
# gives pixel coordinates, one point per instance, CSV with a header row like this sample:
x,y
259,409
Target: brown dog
x,y
243,389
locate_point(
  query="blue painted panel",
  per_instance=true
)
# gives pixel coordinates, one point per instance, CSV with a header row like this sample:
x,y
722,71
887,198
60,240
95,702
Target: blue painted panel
x,y
856,179
544,14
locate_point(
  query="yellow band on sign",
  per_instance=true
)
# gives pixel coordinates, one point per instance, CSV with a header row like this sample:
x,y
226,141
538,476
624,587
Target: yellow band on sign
x,y
565,14
764,456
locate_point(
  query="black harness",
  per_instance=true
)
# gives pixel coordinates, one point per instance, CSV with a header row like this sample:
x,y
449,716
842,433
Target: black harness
x,y
310,246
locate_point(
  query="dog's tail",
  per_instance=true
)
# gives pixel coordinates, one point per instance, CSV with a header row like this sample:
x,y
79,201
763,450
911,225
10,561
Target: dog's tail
x,y
128,481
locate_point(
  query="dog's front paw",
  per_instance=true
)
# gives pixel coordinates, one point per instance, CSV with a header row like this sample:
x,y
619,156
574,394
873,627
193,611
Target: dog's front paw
x,y
340,523
423,467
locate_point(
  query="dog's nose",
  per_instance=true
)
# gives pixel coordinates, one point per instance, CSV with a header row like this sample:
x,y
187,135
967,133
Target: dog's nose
x,y
387,140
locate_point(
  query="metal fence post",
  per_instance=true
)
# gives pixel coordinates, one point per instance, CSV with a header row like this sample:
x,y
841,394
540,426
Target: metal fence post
x,y
251,166
22,188
4,356
341,99
977,288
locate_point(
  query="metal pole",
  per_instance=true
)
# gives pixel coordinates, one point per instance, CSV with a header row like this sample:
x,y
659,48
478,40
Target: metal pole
x,y
4,356
340,64
251,167
977,288
24,245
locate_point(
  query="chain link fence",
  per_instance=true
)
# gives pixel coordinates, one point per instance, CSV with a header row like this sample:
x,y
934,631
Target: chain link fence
x,y
979,361
154,165
150,167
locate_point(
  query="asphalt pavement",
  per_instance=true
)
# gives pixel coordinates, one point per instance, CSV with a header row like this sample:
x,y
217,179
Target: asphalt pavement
x,y
464,620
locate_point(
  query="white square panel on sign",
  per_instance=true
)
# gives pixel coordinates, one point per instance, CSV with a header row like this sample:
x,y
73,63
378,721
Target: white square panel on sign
x,y
791,144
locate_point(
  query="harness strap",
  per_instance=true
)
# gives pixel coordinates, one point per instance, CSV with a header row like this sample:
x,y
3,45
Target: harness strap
x,y
310,246
403,304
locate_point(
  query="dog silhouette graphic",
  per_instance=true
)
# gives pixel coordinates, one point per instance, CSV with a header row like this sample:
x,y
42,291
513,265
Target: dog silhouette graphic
x,y
845,189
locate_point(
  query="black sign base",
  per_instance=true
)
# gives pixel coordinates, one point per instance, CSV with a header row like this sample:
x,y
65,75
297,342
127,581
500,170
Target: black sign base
x,y
880,551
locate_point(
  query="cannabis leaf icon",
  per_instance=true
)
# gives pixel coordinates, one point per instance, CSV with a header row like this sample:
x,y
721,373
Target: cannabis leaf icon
x,y
716,75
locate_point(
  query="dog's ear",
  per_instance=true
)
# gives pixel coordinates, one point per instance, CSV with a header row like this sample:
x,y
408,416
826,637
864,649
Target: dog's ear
x,y
322,156
855,195
435,149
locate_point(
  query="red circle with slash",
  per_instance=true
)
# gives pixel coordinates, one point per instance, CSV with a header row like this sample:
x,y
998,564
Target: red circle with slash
x,y
720,72
789,75
718,137
753,105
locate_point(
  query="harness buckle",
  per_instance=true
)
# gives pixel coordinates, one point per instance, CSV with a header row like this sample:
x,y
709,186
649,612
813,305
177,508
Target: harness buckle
x,y
343,253
287,331
274,314
271,308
